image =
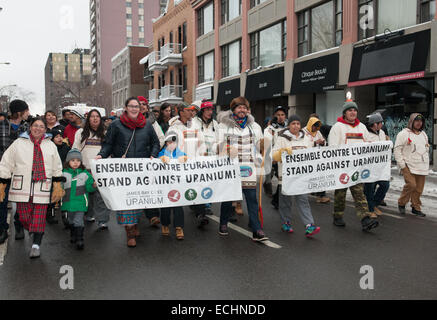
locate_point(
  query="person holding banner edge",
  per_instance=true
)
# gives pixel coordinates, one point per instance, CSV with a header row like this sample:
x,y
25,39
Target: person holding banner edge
x,y
131,136
288,140
375,196
240,136
171,151
349,130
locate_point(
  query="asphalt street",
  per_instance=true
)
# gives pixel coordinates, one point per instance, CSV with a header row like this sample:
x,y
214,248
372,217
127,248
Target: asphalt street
x,y
401,251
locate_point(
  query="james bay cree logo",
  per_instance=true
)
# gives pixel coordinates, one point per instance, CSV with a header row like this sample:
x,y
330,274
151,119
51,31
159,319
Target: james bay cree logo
x,y
174,196
206,193
365,174
355,176
190,194
344,178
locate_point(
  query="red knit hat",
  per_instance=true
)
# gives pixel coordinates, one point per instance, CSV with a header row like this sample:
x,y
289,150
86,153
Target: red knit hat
x,y
141,98
206,104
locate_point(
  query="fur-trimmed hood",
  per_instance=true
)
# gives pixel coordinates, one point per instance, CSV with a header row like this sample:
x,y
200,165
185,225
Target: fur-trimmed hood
x,y
228,120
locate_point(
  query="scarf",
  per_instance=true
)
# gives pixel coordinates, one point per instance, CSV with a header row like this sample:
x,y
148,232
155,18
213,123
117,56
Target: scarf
x,y
38,168
342,120
140,122
242,122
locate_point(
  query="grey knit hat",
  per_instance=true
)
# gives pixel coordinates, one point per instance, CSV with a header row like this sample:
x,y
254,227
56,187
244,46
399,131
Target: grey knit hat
x,y
374,118
349,105
73,154
294,117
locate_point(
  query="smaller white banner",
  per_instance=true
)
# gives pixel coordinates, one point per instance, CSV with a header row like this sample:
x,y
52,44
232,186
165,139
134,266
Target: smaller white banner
x,y
330,168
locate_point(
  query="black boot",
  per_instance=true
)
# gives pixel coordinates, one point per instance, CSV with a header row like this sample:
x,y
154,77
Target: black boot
x,y
418,213
73,236
79,238
3,236
369,224
19,231
268,189
339,222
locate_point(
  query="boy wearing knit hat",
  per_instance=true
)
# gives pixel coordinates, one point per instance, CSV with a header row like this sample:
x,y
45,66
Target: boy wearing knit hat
x,y
79,182
375,191
349,130
9,132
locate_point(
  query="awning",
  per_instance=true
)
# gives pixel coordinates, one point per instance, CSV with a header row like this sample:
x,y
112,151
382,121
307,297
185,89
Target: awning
x,y
227,91
402,58
315,75
265,85
145,59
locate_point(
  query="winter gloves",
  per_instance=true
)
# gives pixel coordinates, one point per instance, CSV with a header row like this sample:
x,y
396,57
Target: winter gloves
x,y
57,192
165,159
277,156
181,159
229,150
2,191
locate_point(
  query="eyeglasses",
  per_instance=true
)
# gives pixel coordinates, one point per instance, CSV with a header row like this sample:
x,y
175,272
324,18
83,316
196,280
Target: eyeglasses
x,y
38,127
133,106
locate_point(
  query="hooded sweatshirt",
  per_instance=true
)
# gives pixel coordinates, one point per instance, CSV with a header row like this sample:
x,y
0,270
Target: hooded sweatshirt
x,y
288,140
313,136
412,149
345,133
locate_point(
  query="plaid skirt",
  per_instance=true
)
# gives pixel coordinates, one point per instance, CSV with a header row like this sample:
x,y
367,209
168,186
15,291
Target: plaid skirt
x,y
127,217
32,216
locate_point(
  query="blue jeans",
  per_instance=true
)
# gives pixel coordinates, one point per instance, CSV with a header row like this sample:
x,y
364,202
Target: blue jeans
x,y
252,208
375,196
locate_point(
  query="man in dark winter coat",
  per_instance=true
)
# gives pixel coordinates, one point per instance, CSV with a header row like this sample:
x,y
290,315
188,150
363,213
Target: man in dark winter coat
x,y
9,132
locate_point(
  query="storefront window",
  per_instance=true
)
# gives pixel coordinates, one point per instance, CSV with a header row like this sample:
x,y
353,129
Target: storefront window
x,y
397,101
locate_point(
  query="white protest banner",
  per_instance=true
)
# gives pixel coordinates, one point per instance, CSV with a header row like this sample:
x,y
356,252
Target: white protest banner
x,y
129,184
331,168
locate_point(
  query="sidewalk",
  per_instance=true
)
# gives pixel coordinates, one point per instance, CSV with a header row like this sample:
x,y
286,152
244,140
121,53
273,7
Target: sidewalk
x,y
429,196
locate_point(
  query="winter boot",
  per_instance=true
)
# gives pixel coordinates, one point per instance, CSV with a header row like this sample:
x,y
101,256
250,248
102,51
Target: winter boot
x,y
3,235
165,231
268,189
238,208
79,238
130,233
19,231
339,222
401,209
368,224
179,233
73,235
418,213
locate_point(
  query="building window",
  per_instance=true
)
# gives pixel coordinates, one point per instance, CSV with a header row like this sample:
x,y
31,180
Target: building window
x,y
206,67
141,5
176,2
230,9
320,28
128,16
268,46
129,29
171,37
373,17
140,17
172,78
231,59
129,4
129,40
180,77
184,35
254,3
427,10
205,19
141,29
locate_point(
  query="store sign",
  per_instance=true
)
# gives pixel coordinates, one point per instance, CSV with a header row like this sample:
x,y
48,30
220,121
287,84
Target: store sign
x,y
397,59
265,85
205,93
316,75
227,91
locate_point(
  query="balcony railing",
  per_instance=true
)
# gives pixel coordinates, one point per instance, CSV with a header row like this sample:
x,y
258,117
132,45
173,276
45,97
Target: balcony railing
x,y
171,54
171,94
154,96
154,63
148,75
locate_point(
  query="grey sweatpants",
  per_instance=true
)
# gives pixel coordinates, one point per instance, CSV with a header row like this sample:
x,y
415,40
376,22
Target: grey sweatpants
x,y
303,206
97,208
76,218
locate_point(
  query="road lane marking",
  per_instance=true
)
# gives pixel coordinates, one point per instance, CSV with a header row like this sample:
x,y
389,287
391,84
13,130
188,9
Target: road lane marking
x,y
248,234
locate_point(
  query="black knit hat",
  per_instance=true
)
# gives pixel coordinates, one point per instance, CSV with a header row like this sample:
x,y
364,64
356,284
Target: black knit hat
x,y
18,106
294,117
55,132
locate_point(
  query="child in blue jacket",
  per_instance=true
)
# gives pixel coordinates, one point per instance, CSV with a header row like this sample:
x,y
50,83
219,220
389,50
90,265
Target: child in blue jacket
x,y
168,152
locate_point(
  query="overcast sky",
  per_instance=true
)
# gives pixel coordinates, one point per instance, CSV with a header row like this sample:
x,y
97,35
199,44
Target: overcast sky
x,y
29,30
